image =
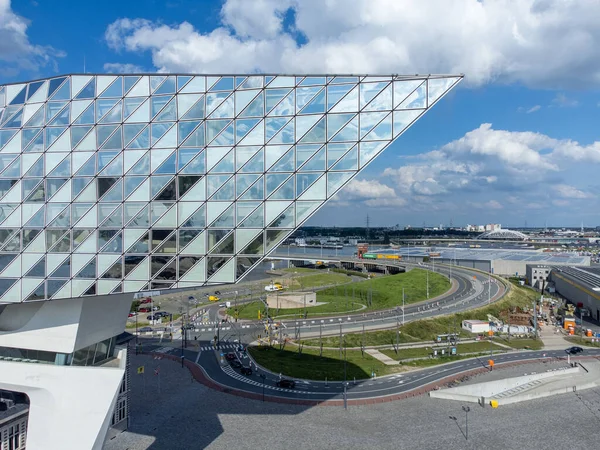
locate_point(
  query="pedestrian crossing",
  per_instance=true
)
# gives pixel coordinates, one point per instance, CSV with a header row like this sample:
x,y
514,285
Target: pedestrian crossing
x,y
206,348
232,373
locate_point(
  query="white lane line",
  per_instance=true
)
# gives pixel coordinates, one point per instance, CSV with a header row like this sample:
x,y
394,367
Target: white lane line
x,y
198,357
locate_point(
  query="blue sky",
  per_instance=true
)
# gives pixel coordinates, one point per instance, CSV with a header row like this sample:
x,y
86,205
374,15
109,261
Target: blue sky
x,y
516,142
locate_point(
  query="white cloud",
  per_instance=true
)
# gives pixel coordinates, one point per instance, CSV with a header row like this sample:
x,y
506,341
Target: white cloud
x,y
490,169
533,109
371,192
123,68
562,101
566,191
265,22
522,41
16,52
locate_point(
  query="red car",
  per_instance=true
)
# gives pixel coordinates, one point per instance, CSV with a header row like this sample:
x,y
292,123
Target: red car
x,y
146,300
144,310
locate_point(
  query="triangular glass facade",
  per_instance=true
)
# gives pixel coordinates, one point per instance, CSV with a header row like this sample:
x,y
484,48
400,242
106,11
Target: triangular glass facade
x,y
176,181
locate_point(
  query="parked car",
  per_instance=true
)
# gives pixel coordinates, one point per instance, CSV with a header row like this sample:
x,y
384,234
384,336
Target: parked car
x,y
285,383
144,310
145,329
574,350
245,370
146,300
230,356
217,292
152,317
155,308
162,314
132,313
235,364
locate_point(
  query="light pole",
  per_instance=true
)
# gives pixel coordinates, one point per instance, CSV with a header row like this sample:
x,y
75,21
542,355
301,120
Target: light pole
x,y
466,409
345,382
402,306
427,278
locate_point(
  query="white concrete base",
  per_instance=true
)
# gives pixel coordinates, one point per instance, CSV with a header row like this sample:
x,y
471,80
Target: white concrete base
x,y
490,389
70,406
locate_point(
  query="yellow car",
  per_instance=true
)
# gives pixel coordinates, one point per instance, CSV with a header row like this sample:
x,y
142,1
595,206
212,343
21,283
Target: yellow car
x,y
213,298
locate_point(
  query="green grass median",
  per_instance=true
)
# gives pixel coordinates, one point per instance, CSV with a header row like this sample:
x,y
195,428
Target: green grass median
x,y
382,292
424,352
311,366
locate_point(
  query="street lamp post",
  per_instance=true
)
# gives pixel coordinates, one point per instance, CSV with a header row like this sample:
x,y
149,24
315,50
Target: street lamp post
x,y
402,306
427,281
466,409
345,378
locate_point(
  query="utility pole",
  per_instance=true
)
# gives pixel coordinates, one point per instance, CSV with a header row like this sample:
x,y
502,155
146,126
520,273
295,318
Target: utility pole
x,y
427,278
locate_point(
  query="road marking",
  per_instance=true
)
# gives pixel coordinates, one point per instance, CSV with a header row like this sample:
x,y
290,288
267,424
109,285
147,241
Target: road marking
x,y
198,357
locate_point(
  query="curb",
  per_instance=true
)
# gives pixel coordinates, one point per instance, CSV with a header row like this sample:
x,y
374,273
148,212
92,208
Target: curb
x,y
202,377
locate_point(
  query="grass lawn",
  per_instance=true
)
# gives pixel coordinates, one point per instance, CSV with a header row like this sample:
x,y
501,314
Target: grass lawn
x,y
444,359
311,366
378,293
429,329
531,344
373,338
424,352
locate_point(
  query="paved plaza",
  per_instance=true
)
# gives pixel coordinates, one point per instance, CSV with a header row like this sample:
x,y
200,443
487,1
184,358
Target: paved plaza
x,y
185,415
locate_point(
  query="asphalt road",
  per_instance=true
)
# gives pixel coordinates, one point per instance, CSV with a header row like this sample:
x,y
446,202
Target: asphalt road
x,y
472,291
319,390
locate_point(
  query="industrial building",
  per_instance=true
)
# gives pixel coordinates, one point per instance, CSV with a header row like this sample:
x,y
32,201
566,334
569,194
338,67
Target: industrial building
x,y
579,285
537,274
498,261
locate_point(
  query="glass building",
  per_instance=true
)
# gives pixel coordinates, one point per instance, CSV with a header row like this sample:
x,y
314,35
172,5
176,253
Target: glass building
x,y
121,183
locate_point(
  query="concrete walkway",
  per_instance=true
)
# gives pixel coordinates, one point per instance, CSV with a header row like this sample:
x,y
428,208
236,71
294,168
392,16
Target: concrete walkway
x,y
381,357
552,340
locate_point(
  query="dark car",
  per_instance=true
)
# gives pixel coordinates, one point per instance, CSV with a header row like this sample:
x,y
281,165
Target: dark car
x,y
145,329
217,292
230,356
161,314
153,317
574,350
285,383
235,364
245,370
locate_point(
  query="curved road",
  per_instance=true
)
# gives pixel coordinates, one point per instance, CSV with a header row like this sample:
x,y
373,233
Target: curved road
x,y
472,289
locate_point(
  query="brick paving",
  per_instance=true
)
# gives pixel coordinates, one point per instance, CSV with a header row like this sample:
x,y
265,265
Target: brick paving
x,y
188,415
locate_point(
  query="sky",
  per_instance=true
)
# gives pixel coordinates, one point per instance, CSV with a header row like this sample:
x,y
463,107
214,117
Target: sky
x,y
516,143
